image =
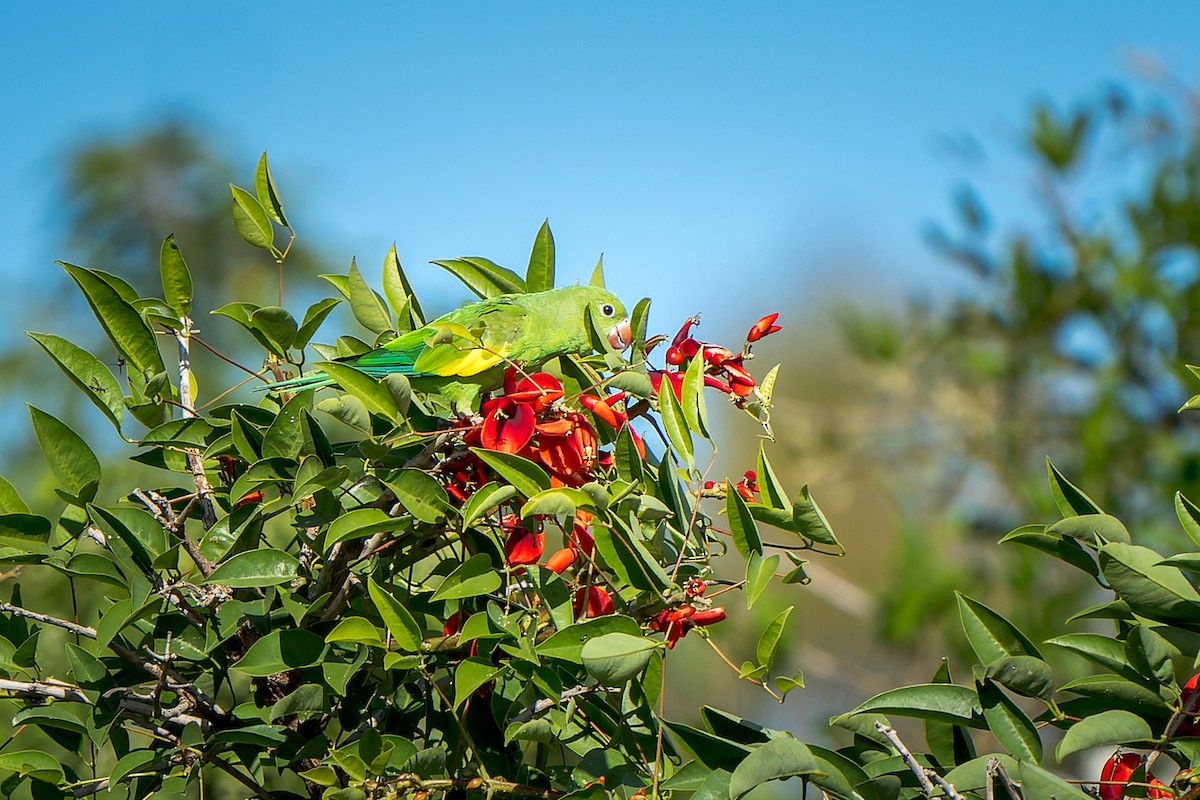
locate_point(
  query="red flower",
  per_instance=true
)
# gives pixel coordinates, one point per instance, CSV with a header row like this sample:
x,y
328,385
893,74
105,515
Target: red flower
x,y
541,390
1115,774
674,378
764,327
522,546
507,425
454,624
594,600
561,560
1190,726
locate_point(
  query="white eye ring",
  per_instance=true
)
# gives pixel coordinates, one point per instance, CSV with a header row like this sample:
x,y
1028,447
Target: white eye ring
x,y
607,310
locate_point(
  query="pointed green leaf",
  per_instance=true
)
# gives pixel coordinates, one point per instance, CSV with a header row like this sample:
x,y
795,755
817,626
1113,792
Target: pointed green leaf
x,y
1009,724
942,701
401,624
991,635
1069,499
759,572
69,457
810,521
87,372
176,280
1189,516
485,500
675,424
525,476
483,277
120,320
280,651
28,533
692,402
539,276
420,494
399,291
355,630
251,220
368,307
1025,675
776,760
10,499
614,658
1037,782
567,644
1086,527
256,568
1151,588
1113,727
473,577
264,189
313,318
377,398
771,636
741,524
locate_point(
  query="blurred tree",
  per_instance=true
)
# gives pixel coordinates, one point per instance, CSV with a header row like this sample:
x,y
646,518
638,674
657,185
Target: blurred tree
x,y
1067,344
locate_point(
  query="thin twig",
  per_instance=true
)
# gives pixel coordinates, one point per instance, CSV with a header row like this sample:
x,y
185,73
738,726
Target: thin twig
x,y
996,770
927,787
73,627
245,780
546,703
160,507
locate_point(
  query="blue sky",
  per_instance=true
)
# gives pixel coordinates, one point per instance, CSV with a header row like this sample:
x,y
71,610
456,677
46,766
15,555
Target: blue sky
x,y
728,157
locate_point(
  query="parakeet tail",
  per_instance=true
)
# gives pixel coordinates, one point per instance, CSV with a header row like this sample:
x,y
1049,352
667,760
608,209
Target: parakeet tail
x,y
313,381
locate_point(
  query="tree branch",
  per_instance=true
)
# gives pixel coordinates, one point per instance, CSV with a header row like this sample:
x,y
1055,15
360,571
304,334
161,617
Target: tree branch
x,y
194,459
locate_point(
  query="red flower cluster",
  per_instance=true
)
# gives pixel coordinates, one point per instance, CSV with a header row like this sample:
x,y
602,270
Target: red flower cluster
x,y
723,370
676,622
747,487
528,420
1116,773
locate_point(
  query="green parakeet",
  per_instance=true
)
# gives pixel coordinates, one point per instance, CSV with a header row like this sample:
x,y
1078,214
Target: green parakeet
x,y
467,350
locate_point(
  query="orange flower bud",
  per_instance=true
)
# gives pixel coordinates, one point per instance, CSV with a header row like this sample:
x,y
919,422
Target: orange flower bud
x,y
561,560
764,327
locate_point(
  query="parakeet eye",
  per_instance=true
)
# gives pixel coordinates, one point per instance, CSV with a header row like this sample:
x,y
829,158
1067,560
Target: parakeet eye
x,y
607,310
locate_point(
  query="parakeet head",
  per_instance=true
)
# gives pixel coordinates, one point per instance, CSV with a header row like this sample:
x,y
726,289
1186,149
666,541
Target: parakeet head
x,y
609,313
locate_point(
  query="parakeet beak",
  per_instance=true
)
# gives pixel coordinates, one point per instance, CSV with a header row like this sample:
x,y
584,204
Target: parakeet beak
x,y
620,335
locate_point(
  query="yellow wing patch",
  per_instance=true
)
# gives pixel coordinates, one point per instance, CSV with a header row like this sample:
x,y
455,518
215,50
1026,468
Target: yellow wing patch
x,y
452,352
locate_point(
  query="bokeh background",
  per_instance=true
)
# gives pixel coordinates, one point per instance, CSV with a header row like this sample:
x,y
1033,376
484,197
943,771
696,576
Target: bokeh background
x,y
812,159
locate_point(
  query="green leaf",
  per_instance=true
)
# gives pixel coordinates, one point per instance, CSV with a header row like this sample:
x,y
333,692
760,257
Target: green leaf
x,y
33,764
567,644
256,569
401,624
130,763
400,293
776,760
88,373
1102,650
1009,724
1113,727
280,651
675,424
10,499
470,675
1068,551
285,437
176,280
306,702
264,189
1038,783
773,493
629,558
420,494
122,323
741,524
356,630
1086,527
28,533
1069,499
473,577
277,325
771,636
810,522
69,457
1025,675
614,658
483,277
146,547
251,219
1189,516
560,501
1151,588
313,318
368,307
485,500
759,572
991,635
85,667
539,276
947,702
525,476
376,397
692,402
